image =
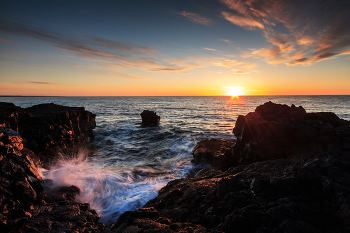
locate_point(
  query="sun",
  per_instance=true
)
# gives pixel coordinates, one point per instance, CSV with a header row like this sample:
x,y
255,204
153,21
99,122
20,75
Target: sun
x,y
234,91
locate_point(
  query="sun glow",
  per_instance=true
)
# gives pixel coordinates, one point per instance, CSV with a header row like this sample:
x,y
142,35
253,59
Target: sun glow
x,y
234,91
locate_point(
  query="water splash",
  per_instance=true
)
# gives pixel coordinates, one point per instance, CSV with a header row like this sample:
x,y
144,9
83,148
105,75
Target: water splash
x,y
109,191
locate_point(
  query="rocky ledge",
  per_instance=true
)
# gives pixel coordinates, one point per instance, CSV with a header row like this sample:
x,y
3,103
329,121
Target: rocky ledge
x,y
24,204
288,172
48,127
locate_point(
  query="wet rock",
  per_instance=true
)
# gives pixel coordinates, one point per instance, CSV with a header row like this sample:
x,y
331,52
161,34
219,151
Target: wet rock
x,y
48,127
24,204
216,152
149,118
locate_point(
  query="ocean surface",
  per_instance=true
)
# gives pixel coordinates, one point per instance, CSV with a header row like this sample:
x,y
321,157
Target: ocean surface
x,y
130,163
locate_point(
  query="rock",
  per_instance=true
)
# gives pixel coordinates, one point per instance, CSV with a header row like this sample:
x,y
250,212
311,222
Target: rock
x,y
24,204
276,131
149,118
214,152
48,127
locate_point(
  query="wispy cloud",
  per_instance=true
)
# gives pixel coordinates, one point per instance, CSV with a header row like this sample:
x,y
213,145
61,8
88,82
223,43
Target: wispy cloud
x,y
120,52
227,41
175,69
4,40
214,50
229,63
43,83
300,32
117,75
196,18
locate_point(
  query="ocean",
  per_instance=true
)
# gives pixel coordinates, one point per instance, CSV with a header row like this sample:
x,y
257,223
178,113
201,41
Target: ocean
x,y
130,163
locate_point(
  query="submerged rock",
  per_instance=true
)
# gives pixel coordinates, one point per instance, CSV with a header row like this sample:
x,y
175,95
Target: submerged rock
x,y
47,127
149,118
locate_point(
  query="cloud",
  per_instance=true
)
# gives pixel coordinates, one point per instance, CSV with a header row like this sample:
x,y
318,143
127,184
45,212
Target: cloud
x,y
229,63
214,50
227,41
120,53
240,72
300,32
43,83
117,75
168,69
194,17
4,40
242,21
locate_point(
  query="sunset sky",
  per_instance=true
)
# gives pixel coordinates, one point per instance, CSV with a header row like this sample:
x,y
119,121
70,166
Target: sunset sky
x,y
175,47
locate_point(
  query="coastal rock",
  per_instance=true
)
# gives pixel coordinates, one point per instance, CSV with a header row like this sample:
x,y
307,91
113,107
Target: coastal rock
x,y
24,204
149,118
216,152
276,131
46,127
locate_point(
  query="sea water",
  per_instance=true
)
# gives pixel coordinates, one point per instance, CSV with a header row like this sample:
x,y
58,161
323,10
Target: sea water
x,y
130,163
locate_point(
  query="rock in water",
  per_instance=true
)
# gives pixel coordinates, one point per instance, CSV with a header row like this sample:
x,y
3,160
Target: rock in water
x,y
149,118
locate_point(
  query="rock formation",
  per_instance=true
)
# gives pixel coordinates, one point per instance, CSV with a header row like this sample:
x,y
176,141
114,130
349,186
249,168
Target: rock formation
x,y
216,152
149,118
46,127
24,204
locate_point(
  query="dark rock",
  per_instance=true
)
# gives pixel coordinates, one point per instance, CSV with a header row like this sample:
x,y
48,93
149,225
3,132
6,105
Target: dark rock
x,y
149,118
214,152
48,127
276,131
24,204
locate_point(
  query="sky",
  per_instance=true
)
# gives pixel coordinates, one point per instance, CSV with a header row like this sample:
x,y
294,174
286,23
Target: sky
x,y
174,47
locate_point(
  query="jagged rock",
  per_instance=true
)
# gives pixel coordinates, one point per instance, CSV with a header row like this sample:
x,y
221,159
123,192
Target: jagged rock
x,y
46,127
276,131
24,204
216,152
149,118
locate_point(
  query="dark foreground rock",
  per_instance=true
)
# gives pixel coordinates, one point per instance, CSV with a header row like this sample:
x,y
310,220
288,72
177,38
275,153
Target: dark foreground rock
x,y
216,152
290,172
48,127
149,118
24,204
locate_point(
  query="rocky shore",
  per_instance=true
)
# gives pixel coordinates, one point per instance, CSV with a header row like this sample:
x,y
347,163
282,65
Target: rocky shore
x,y
288,171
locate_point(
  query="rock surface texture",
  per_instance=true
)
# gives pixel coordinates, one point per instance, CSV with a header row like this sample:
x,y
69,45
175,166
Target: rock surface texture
x,y
46,127
24,204
149,118
290,172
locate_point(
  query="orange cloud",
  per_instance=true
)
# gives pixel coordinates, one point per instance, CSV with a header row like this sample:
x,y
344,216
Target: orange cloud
x,y
194,17
312,32
242,21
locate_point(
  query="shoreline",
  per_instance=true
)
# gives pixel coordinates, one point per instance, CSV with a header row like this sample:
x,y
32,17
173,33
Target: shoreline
x,y
273,168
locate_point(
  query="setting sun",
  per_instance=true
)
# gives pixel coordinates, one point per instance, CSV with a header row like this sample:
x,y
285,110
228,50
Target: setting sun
x,y
234,91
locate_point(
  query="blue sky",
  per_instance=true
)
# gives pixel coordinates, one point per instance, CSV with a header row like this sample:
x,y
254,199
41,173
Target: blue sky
x,y
174,47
